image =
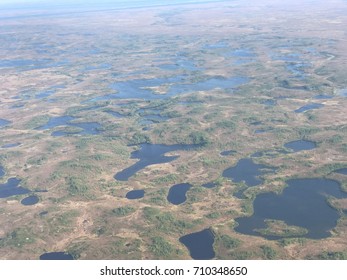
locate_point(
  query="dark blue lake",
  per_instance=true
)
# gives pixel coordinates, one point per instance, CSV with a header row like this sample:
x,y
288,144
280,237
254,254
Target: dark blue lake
x,y
303,203
228,153
56,121
248,171
56,256
150,154
30,200
341,171
12,188
308,107
177,193
300,145
141,89
135,194
87,128
199,244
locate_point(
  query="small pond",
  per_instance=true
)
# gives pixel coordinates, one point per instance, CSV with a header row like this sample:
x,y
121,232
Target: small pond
x,y
228,153
323,96
308,107
10,145
177,193
56,256
300,145
200,244
135,194
30,200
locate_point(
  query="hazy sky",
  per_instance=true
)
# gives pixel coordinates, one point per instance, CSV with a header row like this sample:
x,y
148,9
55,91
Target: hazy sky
x,y
47,3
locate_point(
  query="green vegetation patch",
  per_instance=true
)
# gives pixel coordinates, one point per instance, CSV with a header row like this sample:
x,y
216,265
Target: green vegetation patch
x,y
161,248
165,221
17,238
123,211
36,122
280,228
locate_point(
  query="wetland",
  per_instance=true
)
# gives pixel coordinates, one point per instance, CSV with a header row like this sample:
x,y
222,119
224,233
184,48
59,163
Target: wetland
x,y
174,131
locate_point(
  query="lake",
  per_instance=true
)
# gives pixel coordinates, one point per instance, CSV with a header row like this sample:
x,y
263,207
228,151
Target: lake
x,y
12,188
200,244
177,193
10,145
87,128
144,88
341,171
150,154
303,203
300,145
248,171
135,194
30,200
